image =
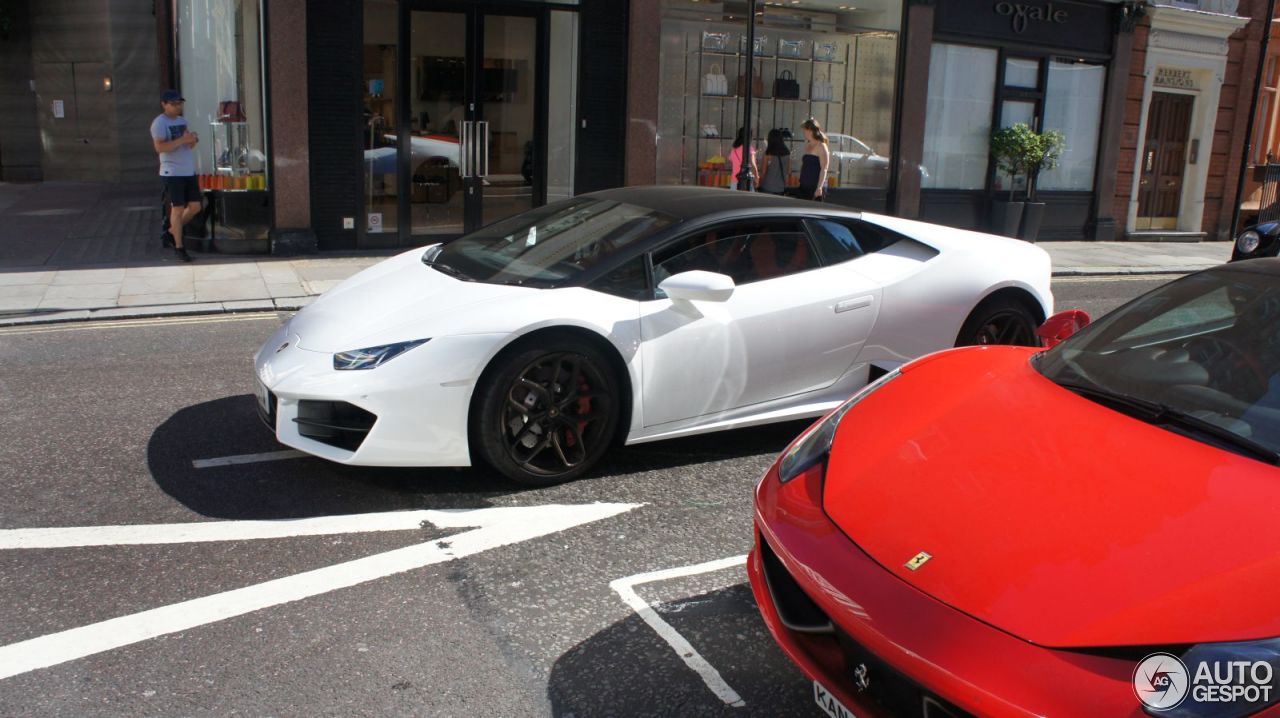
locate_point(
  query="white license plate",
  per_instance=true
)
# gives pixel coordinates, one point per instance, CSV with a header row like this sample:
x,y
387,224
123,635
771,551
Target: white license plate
x,y
260,390
829,703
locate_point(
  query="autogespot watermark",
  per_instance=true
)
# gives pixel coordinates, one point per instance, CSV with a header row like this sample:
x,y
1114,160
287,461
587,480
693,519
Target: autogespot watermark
x,y
1162,681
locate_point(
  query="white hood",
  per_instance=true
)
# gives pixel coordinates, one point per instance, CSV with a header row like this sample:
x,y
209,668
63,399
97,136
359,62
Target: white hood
x,y
402,292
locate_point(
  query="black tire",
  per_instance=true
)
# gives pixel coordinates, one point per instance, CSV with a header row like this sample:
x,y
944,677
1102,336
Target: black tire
x,y
546,414
999,320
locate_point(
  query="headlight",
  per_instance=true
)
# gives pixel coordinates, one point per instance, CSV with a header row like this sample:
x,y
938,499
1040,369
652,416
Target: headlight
x,y
372,357
1248,242
1224,680
814,445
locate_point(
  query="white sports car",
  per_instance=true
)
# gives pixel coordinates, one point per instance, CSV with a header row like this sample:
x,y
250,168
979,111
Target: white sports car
x,y
630,315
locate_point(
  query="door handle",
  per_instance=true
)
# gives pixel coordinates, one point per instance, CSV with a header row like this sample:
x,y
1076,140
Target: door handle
x,y
483,130
464,150
1151,156
856,303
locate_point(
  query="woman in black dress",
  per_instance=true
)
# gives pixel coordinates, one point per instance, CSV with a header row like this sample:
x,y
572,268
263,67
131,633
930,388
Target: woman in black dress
x,y
813,165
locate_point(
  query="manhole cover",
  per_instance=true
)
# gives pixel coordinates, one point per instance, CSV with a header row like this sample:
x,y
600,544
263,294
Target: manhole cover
x,y
50,212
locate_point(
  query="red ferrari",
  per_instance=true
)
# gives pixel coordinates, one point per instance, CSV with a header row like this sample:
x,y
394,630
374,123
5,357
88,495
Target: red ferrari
x,y
1087,530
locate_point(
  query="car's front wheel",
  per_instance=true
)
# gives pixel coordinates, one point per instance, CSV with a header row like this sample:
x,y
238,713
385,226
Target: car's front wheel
x,y
999,320
547,414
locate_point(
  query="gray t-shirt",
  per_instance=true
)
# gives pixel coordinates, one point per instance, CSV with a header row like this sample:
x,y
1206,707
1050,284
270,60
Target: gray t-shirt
x,y
181,162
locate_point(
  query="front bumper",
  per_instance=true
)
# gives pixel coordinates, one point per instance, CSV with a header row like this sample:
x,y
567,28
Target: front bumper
x,y
916,651
411,411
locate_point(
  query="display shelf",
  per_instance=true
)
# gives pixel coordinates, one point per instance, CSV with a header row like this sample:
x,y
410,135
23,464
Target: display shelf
x,y
722,114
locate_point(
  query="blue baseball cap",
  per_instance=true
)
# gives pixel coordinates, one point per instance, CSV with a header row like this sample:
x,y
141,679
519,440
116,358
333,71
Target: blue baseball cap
x,y
172,96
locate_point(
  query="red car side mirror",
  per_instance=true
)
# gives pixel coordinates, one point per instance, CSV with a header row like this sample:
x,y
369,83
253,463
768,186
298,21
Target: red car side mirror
x,y
1061,326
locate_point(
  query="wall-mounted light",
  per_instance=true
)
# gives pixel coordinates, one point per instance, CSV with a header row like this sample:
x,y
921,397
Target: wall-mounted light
x,y
106,84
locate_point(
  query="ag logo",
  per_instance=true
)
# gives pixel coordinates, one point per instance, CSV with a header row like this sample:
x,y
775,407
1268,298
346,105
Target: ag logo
x,y
1161,681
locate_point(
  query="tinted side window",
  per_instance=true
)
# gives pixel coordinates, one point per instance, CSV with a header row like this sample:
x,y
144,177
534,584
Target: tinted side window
x,y
747,252
842,241
628,281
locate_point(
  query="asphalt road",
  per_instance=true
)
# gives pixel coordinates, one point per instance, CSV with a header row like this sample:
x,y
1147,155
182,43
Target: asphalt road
x,y
115,425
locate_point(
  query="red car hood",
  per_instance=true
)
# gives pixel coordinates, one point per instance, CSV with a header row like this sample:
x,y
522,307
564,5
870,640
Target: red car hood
x,y
1051,517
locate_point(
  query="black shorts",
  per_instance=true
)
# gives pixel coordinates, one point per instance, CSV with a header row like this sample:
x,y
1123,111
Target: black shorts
x,y
181,190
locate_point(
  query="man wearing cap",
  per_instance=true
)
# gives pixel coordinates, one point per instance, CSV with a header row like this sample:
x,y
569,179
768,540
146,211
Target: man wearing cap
x,y
173,142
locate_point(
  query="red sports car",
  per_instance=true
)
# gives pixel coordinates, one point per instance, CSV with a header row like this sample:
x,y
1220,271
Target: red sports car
x,y
1088,530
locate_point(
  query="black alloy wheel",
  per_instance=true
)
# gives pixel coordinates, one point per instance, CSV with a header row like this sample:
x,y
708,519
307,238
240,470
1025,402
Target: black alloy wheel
x,y
548,415
1000,320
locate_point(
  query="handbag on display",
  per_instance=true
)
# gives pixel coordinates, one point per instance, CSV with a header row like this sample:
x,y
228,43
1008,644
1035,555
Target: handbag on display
x,y
715,41
825,51
230,111
759,49
786,87
757,83
791,48
822,90
714,82
710,131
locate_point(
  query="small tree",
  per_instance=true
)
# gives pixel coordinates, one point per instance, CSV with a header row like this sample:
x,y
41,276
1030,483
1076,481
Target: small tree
x,y
1009,150
1041,152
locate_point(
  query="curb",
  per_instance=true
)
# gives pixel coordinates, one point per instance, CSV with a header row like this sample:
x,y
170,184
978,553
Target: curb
x,y
293,304
158,310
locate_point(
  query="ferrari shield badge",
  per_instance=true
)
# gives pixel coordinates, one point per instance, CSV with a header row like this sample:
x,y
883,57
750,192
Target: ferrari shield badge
x,y
918,560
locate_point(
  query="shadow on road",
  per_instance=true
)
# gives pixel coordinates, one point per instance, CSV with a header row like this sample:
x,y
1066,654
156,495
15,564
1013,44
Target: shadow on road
x,y
291,488
628,670
306,487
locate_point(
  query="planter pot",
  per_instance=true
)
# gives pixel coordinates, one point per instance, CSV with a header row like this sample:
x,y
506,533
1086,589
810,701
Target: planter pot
x,y
1006,217
1032,216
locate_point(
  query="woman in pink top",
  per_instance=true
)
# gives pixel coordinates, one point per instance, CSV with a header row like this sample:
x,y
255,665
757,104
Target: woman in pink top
x,y
735,160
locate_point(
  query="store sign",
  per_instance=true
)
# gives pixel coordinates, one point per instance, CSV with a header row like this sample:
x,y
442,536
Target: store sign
x,y
1176,79
1062,25
1023,13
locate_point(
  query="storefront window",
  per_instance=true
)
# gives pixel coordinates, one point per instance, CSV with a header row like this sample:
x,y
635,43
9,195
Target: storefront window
x,y
1073,106
836,64
220,66
962,83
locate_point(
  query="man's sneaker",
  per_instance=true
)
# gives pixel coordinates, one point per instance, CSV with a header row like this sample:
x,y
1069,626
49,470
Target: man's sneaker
x,y
166,239
182,254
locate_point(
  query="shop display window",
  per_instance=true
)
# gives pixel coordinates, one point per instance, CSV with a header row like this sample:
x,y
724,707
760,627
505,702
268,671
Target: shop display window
x,y
833,62
219,48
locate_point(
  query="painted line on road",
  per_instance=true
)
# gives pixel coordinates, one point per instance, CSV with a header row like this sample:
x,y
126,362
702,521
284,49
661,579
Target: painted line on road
x,y
625,587
248,458
155,534
133,323
496,527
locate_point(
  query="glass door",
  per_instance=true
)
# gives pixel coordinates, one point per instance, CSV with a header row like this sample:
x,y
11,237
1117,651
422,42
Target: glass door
x,y
476,105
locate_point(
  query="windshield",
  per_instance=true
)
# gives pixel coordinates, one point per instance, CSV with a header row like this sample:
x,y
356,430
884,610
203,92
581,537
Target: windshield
x,y
1200,355
549,246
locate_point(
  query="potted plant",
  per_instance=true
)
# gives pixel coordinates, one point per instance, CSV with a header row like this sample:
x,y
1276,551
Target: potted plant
x,y
1008,149
1040,153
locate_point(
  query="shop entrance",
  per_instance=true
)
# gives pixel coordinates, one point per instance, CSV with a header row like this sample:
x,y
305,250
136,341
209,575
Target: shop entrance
x,y
458,102
1164,161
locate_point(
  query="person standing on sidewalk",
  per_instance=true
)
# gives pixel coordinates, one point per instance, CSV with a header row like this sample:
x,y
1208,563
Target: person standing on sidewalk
x,y
173,142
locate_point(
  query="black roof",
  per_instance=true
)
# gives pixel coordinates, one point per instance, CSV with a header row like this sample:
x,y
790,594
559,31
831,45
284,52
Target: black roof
x,y
684,202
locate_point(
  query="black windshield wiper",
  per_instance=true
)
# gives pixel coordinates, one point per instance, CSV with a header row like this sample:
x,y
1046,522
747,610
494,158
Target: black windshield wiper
x,y
1164,415
1184,420
446,269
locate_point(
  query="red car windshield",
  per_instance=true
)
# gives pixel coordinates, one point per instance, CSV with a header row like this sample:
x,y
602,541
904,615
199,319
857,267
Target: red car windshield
x,y
1200,356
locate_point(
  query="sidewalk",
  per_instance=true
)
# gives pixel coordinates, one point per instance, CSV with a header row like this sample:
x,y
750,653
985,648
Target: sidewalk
x,y
72,251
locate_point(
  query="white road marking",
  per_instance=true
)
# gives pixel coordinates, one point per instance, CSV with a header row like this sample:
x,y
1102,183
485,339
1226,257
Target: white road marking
x,y
248,458
494,527
625,587
153,534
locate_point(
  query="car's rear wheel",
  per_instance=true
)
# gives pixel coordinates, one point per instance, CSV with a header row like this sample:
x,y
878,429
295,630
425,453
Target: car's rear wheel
x,y
547,414
999,320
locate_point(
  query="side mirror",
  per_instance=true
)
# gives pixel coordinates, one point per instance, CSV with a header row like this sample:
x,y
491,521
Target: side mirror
x,y
698,285
1061,326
